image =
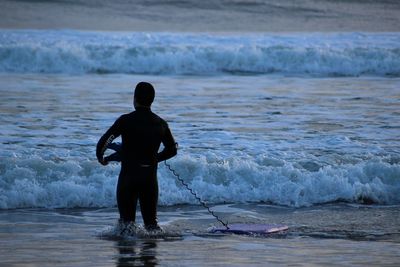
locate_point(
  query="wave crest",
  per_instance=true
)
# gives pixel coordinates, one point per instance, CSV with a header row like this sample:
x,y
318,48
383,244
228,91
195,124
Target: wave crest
x,y
36,182
75,52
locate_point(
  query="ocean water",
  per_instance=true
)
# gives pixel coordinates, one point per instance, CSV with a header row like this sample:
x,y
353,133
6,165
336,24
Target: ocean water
x,y
294,120
293,128
329,235
314,54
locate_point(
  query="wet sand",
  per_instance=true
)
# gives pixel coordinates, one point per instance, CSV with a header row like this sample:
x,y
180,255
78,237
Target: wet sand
x,y
329,235
209,16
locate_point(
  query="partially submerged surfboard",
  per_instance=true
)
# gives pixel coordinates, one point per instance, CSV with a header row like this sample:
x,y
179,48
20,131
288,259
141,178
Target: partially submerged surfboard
x,y
248,229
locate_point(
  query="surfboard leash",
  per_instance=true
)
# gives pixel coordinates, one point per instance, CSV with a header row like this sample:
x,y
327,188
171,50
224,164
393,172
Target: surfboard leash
x,y
204,204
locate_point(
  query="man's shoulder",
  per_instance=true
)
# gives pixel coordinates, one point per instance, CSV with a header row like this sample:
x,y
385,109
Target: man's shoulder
x,y
156,116
125,117
128,115
135,115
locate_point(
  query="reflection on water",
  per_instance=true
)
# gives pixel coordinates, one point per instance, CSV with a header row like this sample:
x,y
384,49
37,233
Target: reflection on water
x,y
136,253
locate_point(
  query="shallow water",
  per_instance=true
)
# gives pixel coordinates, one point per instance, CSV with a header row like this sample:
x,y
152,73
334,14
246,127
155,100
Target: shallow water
x,y
295,141
329,235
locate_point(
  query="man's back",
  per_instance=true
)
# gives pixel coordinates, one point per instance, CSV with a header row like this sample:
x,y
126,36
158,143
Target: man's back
x,y
142,132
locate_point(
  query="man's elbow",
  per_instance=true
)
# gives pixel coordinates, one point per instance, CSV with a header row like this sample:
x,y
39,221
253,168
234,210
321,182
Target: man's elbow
x,y
174,151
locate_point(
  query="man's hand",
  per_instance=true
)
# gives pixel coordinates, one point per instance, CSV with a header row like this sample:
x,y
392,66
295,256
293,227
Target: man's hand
x,y
103,161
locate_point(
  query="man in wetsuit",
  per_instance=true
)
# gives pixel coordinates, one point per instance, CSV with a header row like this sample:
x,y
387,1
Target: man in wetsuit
x,y
142,132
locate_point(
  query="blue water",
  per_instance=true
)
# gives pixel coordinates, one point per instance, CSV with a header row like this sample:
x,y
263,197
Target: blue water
x,y
300,129
321,54
288,119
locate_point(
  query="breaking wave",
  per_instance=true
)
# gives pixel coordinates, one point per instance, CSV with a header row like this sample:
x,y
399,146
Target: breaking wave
x,y
76,52
38,182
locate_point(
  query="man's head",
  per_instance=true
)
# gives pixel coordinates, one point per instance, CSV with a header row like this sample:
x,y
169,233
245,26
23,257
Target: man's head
x,y
144,94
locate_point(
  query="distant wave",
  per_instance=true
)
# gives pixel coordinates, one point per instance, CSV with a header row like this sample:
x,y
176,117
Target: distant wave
x,y
36,182
76,52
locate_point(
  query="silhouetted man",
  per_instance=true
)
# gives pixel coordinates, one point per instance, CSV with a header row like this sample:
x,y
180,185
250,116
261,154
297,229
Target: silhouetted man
x,y
142,132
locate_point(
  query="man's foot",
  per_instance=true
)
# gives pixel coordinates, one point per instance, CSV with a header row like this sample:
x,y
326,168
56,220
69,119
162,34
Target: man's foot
x,y
153,228
127,227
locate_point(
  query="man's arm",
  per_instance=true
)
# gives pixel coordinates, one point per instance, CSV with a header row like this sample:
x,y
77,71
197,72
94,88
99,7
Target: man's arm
x,y
170,147
117,147
106,139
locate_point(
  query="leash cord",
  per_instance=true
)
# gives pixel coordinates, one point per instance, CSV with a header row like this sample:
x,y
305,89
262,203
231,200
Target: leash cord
x,y
195,195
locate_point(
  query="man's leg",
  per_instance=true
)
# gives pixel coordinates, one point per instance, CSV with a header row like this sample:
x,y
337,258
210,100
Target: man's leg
x,y
148,198
127,197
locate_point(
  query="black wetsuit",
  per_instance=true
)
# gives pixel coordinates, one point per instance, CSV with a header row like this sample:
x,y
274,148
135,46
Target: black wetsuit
x,y
142,132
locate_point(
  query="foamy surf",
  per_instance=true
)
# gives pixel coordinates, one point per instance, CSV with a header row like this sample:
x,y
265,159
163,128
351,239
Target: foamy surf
x,y
321,54
36,182
133,231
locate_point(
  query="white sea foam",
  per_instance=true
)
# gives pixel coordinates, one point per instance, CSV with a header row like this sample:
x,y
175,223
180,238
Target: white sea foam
x,y
36,182
323,54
